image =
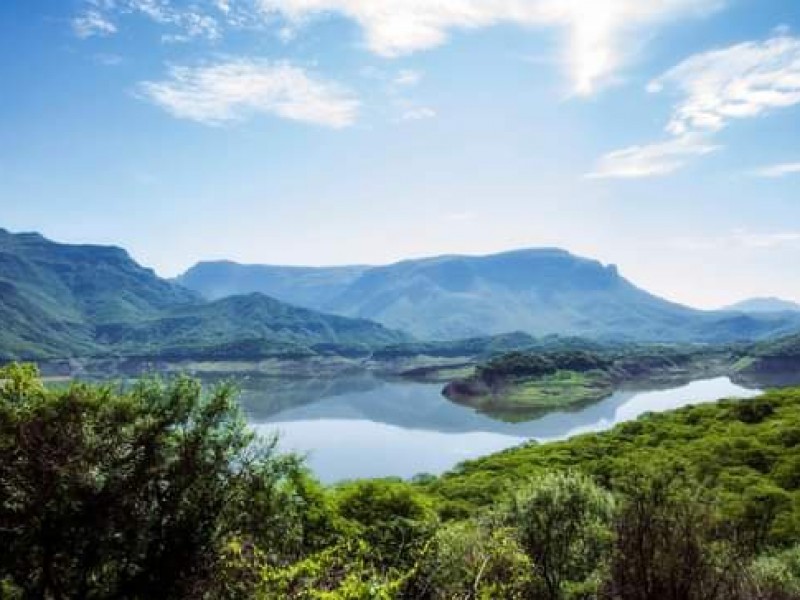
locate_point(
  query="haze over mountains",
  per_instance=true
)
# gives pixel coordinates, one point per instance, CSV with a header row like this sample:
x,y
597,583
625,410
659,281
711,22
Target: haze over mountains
x,y
537,291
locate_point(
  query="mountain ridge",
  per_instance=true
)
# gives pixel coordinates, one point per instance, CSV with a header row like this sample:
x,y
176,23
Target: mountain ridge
x,y
61,300
540,291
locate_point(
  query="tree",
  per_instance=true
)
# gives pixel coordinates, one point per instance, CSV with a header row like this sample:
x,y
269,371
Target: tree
x,y
472,560
669,541
132,494
392,516
563,524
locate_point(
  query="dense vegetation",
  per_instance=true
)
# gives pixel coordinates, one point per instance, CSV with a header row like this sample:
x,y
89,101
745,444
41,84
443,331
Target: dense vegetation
x,y
773,357
158,490
61,301
523,382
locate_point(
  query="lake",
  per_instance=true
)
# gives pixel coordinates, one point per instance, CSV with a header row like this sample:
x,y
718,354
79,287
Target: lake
x,y
365,427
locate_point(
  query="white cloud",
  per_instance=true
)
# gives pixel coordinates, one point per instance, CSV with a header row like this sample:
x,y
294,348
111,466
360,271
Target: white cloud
x,y
418,114
599,36
716,87
780,170
742,81
651,159
191,22
287,34
92,23
233,90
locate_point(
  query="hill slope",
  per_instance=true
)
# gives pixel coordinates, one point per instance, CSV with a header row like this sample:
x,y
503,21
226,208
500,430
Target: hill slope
x,y
59,300
540,292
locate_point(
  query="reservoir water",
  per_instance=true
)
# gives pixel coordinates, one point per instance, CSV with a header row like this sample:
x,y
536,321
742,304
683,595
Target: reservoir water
x,y
366,427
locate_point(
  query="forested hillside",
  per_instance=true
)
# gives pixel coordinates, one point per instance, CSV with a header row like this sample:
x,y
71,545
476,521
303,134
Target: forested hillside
x,y
160,491
60,300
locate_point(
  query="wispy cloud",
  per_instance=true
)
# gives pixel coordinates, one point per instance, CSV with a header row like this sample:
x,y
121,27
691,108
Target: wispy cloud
x,y
716,87
187,22
92,23
418,114
233,90
780,170
407,78
599,36
651,159
739,82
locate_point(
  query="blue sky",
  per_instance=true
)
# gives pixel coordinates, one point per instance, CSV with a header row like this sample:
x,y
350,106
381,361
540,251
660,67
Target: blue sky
x,y
661,136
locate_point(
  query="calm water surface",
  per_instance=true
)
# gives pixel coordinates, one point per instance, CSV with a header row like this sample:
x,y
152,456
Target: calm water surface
x,y
365,427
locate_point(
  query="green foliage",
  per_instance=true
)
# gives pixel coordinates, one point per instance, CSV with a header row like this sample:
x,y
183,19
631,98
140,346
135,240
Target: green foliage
x,y
133,492
524,384
159,490
669,540
527,364
563,523
472,559
776,576
345,571
775,356
748,451
395,518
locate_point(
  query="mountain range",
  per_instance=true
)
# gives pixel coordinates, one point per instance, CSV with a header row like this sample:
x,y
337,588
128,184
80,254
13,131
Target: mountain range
x,y
63,300
536,291
764,305
60,300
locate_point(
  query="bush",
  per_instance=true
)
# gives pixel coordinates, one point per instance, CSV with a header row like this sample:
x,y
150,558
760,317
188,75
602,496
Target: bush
x,y
133,493
394,518
775,576
472,560
562,521
669,540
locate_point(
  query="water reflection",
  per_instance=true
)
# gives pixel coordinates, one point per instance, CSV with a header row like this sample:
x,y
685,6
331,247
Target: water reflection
x,y
364,427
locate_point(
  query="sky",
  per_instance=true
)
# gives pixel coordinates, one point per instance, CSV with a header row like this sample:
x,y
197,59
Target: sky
x,y
661,136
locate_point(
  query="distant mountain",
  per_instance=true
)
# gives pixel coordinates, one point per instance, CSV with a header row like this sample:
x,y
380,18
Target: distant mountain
x,y
764,305
538,291
304,286
59,300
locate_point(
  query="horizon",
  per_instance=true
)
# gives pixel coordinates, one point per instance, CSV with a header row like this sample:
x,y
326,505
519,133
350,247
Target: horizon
x,y
619,268
663,139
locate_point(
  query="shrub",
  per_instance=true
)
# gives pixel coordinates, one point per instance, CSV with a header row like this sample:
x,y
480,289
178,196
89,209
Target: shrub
x,y
563,524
